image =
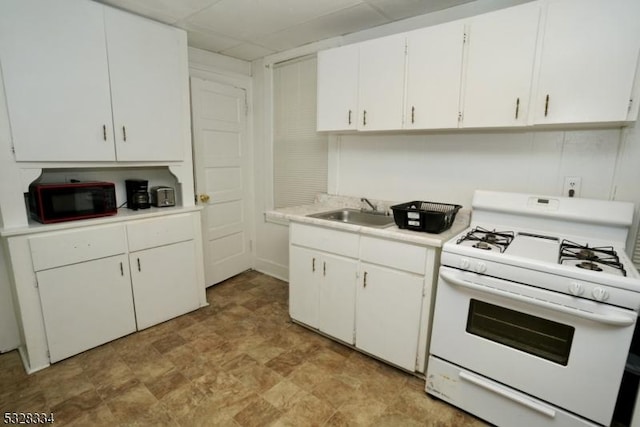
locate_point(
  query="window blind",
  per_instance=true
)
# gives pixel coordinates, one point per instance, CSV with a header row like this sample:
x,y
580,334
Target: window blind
x,y
299,152
636,251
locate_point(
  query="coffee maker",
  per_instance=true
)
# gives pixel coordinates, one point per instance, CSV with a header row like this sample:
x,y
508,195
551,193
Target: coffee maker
x,y
137,194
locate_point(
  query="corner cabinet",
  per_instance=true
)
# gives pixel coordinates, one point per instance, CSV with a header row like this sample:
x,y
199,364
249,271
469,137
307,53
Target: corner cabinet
x,y
102,84
80,287
372,293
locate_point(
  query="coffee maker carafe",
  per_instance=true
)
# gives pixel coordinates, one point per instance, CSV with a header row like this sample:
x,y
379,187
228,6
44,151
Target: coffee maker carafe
x,y
137,194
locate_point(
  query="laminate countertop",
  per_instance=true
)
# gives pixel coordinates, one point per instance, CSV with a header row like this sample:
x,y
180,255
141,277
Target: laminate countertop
x,y
326,203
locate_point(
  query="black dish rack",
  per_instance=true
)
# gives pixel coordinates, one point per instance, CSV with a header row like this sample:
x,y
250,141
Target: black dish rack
x,y
429,217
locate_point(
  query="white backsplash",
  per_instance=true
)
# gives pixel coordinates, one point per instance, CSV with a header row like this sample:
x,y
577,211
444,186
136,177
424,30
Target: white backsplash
x,y
448,167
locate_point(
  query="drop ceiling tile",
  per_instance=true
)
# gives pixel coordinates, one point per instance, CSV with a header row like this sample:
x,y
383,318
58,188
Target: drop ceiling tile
x,y
210,42
247,52
335,24
169,11
399,9
248,19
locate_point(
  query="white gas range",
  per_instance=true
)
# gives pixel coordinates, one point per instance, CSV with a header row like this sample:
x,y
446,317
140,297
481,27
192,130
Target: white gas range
x,y
535,311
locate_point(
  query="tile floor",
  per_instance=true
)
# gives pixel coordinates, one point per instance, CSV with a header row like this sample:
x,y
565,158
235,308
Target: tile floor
x,y
238,362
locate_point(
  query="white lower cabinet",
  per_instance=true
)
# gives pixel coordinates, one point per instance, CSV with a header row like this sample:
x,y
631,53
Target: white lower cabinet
x,y
368,292
85,305
97,283
388,307
162,280
322,291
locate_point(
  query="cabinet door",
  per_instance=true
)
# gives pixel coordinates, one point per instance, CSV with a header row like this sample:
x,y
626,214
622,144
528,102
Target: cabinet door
x,y
85,305
499,68
337,297
434,67
148,71
381,83
303,285
337,88
164,282
388,306
56,79
588,61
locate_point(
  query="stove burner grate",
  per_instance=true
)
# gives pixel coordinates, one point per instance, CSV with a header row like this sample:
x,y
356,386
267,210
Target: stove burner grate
x,y
592,258
488,239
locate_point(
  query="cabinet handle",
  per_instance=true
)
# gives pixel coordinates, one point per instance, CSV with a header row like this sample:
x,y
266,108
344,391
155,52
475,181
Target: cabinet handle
x,y
365,279
139,269
324,268
349,116
124,133
121,270
517,107
313,265
104,132
364,118
413,114
546,106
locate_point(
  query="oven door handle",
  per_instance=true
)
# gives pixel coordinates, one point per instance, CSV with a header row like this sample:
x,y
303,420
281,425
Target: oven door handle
x,y
609,319
480,382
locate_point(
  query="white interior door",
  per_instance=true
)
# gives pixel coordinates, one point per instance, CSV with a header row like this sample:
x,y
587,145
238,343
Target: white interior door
x,y
222,174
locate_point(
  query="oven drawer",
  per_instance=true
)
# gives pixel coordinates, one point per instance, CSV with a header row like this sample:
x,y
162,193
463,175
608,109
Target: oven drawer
x,y
492,401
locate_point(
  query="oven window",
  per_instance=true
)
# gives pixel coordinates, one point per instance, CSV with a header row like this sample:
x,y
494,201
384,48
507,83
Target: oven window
x,y
534,335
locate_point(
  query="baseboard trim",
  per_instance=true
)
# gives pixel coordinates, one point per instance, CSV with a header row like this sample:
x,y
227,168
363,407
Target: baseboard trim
x,y
271,268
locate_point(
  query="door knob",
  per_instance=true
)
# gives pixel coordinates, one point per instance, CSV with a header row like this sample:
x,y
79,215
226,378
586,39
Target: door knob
x,y
204,198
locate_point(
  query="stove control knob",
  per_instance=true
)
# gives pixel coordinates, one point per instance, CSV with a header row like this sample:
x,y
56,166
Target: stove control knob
x,y
600,294
576,288
481,267
464,264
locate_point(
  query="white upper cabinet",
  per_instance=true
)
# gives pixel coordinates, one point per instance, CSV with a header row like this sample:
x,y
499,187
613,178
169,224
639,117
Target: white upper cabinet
x,y
499,67
381,83
81,78
589,59
147,71
337,89
56,79
434,65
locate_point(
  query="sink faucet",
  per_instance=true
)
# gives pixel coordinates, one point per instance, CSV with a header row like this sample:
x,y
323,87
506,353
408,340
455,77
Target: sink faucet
x,y
373,207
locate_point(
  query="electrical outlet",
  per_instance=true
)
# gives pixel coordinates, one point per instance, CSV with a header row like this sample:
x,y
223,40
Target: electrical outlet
x,y
571,186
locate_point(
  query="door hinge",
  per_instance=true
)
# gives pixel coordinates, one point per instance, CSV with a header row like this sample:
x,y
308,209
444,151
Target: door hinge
x,y
460,116
13,149
246,104
250,245
37,285
48,355
628,109
354,336
465,37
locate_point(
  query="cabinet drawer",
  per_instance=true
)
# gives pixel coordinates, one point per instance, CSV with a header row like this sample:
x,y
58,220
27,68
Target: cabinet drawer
x,y
70,247
398,255
155,232
325,239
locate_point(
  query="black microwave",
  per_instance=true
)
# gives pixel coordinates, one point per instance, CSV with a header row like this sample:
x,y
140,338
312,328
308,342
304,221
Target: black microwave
x,y
49,203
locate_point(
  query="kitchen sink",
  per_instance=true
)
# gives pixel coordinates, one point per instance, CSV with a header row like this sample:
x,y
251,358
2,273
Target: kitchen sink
x,y
356,217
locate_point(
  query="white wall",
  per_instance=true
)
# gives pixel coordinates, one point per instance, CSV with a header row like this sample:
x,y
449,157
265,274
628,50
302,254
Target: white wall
x,y
448,167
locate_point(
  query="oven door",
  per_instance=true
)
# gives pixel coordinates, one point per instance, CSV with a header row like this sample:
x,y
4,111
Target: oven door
x,y
564,350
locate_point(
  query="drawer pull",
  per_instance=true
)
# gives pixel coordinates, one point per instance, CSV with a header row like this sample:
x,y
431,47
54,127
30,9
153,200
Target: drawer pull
x,y
349,116
364,118
324,268
365,280
124,133
121,270
104,132
413,115
313,265
517,107
139,269
546,106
